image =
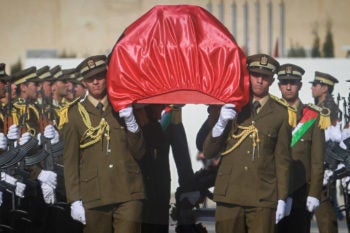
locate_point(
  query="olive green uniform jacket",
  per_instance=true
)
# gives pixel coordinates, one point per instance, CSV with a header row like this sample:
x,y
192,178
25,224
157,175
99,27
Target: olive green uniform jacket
x,y
95,176
307,163
260,180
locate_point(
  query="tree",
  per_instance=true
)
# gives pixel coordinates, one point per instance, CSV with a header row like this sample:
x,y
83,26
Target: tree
x,y
16,67
315,51
328,46
297,51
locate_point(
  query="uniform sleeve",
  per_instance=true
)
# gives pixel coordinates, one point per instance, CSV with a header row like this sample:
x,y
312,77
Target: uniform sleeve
x,y
71,158
136,144
283,158
317,158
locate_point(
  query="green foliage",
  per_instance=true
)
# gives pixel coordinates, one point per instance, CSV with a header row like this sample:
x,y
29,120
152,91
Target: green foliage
x,y
328,46
16,67
315,51
297,51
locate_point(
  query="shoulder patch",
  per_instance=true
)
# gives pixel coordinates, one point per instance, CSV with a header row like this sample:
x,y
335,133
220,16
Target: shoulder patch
x,y
325,119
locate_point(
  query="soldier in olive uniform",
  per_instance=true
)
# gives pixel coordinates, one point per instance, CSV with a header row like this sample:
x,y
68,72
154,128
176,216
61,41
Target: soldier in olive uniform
x,y
307,153
103,180
322,88
253,176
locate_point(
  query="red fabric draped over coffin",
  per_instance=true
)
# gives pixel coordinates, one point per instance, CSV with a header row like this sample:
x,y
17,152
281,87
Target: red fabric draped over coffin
x,y
177,55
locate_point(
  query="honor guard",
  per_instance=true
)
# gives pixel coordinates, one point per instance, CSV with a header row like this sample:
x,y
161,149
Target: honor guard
x,y
306,172
251,186
104,183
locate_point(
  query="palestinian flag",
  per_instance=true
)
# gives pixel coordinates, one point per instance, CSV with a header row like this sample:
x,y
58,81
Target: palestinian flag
x,y
166,117
308,119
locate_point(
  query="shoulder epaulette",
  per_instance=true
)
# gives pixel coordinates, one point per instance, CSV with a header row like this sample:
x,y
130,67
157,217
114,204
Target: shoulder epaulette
x,y
325,119
62,112
292,112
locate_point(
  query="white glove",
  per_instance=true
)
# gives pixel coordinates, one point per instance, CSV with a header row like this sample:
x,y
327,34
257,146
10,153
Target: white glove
x,y
3,141
8,179
289,204
48,193
129,118
345,183
77,212
312,203
38,137
345,134
342,145
25,138
281,209
326,175
48,177
13,132
55,138
333,133
20,187
0,198
227,113
49,132
192,197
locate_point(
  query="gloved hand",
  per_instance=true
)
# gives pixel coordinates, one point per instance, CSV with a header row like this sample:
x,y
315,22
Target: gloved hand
x,y
48,193
8,179
326,175
345,134
129,119
333,133
77,212
312,203
38,137
192,197
48,177
281,209
25,138
51,133
3,141
20,187
289,204
227,113
13,132
345,183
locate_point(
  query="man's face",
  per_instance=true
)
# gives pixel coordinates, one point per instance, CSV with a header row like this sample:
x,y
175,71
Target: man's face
x,y
289,89
46,86
60,88
79,90
32,90
260,84
318,90
96,86
70,91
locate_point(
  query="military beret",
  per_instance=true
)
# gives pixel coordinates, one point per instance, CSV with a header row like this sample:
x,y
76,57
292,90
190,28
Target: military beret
x,y
44,74
3,76
262,64
56,73
93,66
26,75
324,78
290,71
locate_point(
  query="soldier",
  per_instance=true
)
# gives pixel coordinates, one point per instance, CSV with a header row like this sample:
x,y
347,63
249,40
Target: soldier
x,y
307,153
253,176
322,88
103,180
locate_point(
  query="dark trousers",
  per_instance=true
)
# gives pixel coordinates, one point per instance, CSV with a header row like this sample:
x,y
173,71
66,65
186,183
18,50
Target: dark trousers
x,y
299,219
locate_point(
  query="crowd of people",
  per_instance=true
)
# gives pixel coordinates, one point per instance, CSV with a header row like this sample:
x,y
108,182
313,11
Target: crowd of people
x,y
70,163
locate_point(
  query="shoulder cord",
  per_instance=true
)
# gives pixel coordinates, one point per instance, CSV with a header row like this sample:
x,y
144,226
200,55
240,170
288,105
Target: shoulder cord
x,y
93,133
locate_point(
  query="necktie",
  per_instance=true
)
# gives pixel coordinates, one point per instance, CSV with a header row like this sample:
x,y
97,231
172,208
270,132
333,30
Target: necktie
x,y
255,107
99,106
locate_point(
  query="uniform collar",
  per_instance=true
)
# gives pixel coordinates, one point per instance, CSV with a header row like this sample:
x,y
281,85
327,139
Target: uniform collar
x,y
94,101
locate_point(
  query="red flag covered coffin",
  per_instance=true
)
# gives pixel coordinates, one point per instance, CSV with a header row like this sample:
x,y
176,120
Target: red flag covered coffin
x,y
177,55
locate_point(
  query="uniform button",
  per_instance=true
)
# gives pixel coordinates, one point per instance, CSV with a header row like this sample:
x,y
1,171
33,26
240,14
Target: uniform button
x,y
302,139
248,151
245,168
110,166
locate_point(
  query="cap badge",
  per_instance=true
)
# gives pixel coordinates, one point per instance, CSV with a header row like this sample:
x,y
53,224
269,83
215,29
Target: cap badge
x,y
91,64
289,69
263,60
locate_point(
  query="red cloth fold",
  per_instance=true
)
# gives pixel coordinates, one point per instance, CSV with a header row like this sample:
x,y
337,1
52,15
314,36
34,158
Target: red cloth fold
x,y
177,54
